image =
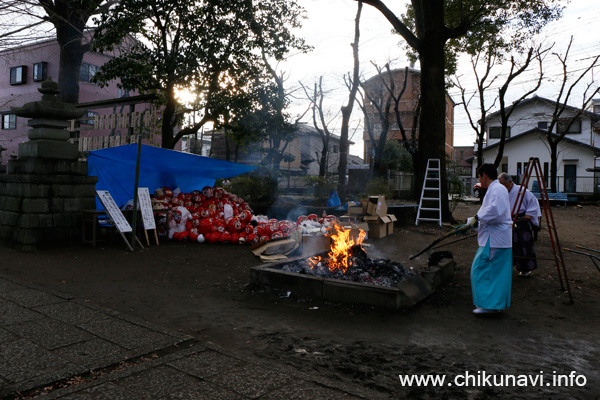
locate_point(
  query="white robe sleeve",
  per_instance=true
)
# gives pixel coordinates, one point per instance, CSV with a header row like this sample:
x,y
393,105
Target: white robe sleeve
x,y
495,224
532,207
495,205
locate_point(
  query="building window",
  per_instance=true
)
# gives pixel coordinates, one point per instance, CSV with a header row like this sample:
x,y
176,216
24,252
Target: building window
x,y
574,128
335,149
543,125
40,71
87,72
18,75
495,132
122,92
90,115
9,121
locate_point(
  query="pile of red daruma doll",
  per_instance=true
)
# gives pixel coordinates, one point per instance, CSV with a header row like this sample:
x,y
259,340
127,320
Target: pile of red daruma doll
x,y
214,215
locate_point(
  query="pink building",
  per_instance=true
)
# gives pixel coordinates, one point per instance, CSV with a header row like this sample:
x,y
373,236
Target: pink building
x,y
23,69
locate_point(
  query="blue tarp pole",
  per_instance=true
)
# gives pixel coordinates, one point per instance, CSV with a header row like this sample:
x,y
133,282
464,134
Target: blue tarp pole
x,y
135,190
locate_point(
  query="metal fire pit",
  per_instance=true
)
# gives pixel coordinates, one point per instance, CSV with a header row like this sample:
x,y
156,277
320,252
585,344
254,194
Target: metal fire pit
x,y
404,295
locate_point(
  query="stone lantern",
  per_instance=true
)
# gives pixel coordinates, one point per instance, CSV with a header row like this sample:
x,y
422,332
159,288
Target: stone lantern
x,y
46,188
49,117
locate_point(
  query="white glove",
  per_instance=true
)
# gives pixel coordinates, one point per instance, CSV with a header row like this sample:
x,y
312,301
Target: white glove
x,y
473,222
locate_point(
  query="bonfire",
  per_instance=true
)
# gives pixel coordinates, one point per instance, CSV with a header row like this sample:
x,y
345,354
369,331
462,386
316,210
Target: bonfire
x,y
342,250
348,260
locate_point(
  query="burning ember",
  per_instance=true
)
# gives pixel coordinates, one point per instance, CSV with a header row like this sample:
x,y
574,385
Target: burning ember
x,y
347,260
341,251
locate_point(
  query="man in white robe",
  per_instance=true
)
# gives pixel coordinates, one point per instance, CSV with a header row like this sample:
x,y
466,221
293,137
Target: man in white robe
x,y
491,271
527,222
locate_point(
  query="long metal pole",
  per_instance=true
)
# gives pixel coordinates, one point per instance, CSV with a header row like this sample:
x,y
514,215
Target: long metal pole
x,y
135,190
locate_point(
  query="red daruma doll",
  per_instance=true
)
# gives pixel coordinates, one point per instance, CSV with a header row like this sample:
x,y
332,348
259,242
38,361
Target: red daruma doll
x,y
234,225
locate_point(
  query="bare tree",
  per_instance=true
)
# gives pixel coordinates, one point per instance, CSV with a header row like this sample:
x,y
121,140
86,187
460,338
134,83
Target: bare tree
x,y
409,143
319,123
384,94
69,19
483,85
377,95
505,113
563,124
22,22
353,83
485,82
283,132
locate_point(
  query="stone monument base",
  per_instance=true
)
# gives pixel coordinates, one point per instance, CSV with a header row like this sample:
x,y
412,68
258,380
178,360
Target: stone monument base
x,y
41,202
39,166
49,149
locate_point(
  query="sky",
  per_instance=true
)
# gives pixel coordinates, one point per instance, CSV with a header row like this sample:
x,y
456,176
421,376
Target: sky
x,y
329,28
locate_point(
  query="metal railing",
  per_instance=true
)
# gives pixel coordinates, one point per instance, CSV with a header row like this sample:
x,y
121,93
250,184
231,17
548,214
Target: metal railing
x,y
401,183
574,184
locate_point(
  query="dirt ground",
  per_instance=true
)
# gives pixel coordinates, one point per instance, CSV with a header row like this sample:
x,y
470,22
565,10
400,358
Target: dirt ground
x,y
203,290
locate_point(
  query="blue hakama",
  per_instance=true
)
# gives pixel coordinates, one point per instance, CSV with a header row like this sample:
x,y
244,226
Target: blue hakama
x,y
491,280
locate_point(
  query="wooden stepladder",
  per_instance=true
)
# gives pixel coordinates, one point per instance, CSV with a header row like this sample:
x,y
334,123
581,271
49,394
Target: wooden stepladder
x,y
534,166
431,194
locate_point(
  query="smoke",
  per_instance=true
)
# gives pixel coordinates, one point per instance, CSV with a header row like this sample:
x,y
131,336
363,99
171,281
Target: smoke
x,y
294,213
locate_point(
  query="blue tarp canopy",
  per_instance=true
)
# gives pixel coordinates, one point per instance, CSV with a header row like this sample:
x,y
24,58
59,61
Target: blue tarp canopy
x,y
115,169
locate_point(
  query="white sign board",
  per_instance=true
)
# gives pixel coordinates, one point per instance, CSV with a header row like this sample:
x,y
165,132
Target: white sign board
x,y
146,208
113,211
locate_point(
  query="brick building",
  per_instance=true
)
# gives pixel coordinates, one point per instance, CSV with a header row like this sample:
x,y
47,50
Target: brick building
x,y
22,71
407,108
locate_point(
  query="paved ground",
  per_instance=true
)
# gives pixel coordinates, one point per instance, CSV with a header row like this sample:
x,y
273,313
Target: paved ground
x,y
64,348
330,350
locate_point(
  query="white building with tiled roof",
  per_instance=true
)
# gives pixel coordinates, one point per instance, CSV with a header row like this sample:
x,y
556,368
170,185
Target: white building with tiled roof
x,y
578,152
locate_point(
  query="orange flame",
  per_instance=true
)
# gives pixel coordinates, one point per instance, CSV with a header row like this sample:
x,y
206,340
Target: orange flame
x,y
339,252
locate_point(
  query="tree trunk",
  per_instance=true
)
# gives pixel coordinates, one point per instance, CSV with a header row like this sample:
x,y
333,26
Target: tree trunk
x,y
384,118
275,158
344,146
378,170
553,166
480,139
167,141
347,109
323,159
70,39
432,129
227,147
